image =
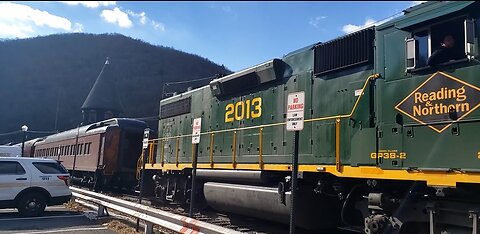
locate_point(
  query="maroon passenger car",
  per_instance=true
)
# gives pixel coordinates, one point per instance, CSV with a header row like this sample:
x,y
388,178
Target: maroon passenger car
x,y
103,153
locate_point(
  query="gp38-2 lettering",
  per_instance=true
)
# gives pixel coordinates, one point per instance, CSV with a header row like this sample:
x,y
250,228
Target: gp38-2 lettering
x,y
389,155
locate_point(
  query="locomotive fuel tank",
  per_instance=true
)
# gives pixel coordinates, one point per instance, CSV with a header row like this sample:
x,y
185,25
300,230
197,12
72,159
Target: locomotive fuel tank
x,y
233,176
314,211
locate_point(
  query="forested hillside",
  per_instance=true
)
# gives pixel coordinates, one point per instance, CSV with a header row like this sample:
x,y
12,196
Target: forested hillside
x,y
45,80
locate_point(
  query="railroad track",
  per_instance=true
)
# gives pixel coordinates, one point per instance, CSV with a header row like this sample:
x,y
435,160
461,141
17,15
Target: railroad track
x,y
219,222
208,220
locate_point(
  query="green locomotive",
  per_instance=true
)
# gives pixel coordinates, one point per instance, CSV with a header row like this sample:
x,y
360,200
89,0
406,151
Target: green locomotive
x,y
389,139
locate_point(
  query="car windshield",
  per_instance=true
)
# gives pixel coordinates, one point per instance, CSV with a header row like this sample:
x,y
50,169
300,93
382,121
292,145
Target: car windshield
x,y
50,167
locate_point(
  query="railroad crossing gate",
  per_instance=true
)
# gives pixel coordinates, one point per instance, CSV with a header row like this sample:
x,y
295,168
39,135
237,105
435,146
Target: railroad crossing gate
x,y
295,109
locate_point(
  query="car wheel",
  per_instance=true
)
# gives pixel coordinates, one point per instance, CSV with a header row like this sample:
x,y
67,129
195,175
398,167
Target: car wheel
x,y
32,204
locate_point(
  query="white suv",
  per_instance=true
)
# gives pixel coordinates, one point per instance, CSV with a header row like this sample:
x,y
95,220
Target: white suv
x,y
30,184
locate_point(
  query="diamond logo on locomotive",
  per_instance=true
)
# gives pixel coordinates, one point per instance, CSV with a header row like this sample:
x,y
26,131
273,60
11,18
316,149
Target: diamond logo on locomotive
x,y
440,98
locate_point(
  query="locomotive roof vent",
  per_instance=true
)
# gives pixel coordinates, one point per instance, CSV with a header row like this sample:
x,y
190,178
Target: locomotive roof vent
x,y
248,78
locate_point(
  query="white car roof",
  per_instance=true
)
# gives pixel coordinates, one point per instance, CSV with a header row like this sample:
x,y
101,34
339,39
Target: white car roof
x,y
27,159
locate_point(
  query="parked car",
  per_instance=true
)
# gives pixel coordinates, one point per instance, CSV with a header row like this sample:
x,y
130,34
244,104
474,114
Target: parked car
x,y
30,184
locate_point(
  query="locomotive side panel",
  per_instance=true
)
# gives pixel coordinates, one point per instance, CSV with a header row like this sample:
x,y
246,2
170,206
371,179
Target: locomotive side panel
x,y
423,97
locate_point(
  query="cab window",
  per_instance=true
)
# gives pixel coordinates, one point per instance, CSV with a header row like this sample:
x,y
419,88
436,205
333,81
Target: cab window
x,y
440,44
11,168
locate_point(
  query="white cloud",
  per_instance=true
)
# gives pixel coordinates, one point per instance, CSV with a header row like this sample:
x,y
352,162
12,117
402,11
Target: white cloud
x,y
15,30
143,19
17,20
352,28
414,3
158,26
117,16
78,27
349,28
141,16
90,4
315,22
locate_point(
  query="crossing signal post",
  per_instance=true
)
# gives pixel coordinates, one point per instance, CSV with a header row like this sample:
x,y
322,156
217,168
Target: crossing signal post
x,y
295,118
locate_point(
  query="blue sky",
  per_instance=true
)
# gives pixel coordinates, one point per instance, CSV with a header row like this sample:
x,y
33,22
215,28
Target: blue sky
x,y
235,34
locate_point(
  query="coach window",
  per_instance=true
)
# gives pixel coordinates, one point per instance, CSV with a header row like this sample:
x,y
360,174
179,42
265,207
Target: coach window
x,y
87,148
440,44
80,149
67,150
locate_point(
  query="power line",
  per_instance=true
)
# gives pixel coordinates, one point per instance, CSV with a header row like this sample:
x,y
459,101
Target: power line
x,y
42,132
10,133
33,132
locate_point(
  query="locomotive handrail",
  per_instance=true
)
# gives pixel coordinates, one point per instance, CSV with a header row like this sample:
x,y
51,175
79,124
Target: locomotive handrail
x,y
370,78
173,222
337,119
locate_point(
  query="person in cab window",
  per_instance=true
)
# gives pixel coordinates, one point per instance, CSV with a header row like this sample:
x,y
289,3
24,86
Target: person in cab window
x,y
445,53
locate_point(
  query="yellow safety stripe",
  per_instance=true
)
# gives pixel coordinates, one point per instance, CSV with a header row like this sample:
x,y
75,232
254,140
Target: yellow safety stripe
x,y
432,178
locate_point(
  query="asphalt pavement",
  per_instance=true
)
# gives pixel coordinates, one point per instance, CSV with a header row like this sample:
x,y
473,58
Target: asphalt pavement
x,y
56,219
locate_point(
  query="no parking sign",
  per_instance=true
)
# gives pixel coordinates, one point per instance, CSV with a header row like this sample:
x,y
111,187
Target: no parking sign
x,y
295,109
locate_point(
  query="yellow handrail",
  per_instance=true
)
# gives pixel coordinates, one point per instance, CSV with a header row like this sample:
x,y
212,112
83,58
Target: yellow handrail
x,y
234,130
371,77
212,139
177,145
337,145
163,152
260,148
234,148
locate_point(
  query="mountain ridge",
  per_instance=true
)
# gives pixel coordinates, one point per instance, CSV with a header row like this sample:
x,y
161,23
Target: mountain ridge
x,y
45,80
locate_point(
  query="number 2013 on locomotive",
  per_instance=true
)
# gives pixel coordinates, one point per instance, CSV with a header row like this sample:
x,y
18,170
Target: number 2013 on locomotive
x,y
247,109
